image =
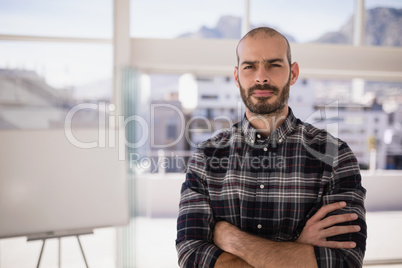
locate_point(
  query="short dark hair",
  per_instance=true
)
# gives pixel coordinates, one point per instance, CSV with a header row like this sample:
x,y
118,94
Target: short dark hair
x,y
268,32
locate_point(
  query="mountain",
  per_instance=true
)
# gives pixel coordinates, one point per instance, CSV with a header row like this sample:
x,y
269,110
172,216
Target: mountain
x,y
383,27
228,27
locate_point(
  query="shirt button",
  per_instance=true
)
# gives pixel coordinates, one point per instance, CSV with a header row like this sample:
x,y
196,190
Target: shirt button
x,y
262,186
252,141
259,226
280,141
265,149
259,136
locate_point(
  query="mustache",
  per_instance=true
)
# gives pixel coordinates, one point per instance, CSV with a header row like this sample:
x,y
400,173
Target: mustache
x,y
269,87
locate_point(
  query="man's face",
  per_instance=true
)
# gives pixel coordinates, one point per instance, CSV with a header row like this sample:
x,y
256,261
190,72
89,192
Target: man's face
x,y
264,75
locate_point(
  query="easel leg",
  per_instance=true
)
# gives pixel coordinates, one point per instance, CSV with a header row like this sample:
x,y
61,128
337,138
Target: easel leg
x,y
82,251
59,252
41,251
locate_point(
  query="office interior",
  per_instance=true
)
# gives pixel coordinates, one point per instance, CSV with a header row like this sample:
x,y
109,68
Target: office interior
x,y
122,86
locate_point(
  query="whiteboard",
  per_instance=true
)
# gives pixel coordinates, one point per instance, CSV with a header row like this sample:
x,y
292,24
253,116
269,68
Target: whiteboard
x,y
47,184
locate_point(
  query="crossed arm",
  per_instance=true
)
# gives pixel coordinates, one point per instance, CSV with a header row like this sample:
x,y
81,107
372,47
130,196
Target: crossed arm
x,y
203,242
246,250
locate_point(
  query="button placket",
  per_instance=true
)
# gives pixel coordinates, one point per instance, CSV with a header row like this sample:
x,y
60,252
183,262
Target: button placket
x,y
261,183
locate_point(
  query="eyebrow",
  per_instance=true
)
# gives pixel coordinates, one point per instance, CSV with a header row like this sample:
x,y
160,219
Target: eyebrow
x,y
265,61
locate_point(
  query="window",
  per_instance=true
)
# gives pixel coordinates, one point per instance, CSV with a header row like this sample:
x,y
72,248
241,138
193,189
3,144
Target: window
x,y
358,114
43,81
210,113
190,19
207,79
320,21
209,97
172,132
383,23
74,18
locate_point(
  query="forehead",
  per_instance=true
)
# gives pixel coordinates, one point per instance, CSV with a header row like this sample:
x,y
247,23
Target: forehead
x,y
262,47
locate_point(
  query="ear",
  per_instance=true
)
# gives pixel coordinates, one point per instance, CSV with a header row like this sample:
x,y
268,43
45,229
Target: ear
x,y
294,73
236,76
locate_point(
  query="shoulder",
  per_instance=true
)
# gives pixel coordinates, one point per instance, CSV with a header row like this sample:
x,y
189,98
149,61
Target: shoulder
x,y
220,140
313,136
321,144
214,148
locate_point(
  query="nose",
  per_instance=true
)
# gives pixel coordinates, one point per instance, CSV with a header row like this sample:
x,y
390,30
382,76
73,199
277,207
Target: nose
x,y
261,76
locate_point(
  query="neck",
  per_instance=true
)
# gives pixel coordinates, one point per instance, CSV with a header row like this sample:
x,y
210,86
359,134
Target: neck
x,y
267,123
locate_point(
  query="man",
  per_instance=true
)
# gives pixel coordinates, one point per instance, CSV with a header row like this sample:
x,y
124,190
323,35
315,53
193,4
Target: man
x,y
271,191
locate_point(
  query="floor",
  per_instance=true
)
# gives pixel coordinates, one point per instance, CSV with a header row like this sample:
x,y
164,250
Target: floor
x,y
155,245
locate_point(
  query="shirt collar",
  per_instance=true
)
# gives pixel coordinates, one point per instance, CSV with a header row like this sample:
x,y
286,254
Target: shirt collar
x,y
279,135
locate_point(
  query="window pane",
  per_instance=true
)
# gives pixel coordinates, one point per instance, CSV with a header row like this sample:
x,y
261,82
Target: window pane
x,y
179,117
389,140
383,23
304,21
365,114
74,18
351,114
200,18
41,82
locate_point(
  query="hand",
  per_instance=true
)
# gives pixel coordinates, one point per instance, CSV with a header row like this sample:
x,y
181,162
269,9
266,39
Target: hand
x,y
318,229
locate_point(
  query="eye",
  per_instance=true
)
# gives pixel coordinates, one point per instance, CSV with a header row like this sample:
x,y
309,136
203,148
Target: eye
x,y
248,67
275,66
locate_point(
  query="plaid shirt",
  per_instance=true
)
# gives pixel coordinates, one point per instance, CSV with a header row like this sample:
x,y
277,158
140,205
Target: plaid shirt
x,y
269,188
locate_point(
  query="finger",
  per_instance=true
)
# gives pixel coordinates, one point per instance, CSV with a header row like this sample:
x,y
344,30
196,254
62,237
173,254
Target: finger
x,y
323,211
335,244
338,230
335,219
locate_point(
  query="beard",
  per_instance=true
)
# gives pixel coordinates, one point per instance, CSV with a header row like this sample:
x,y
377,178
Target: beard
x,y
261,105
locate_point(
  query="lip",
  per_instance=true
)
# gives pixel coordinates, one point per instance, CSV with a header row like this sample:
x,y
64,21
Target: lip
x,y
263,93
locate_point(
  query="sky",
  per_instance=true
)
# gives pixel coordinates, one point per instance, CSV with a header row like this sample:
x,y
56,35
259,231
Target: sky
x,y
65,64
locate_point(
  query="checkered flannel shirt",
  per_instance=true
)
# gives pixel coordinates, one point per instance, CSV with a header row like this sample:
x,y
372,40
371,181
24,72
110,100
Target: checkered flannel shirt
x,y
269,188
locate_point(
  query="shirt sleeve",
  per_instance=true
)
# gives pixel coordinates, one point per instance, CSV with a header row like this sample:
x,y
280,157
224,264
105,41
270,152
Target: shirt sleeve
x,y
195,222
344,184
